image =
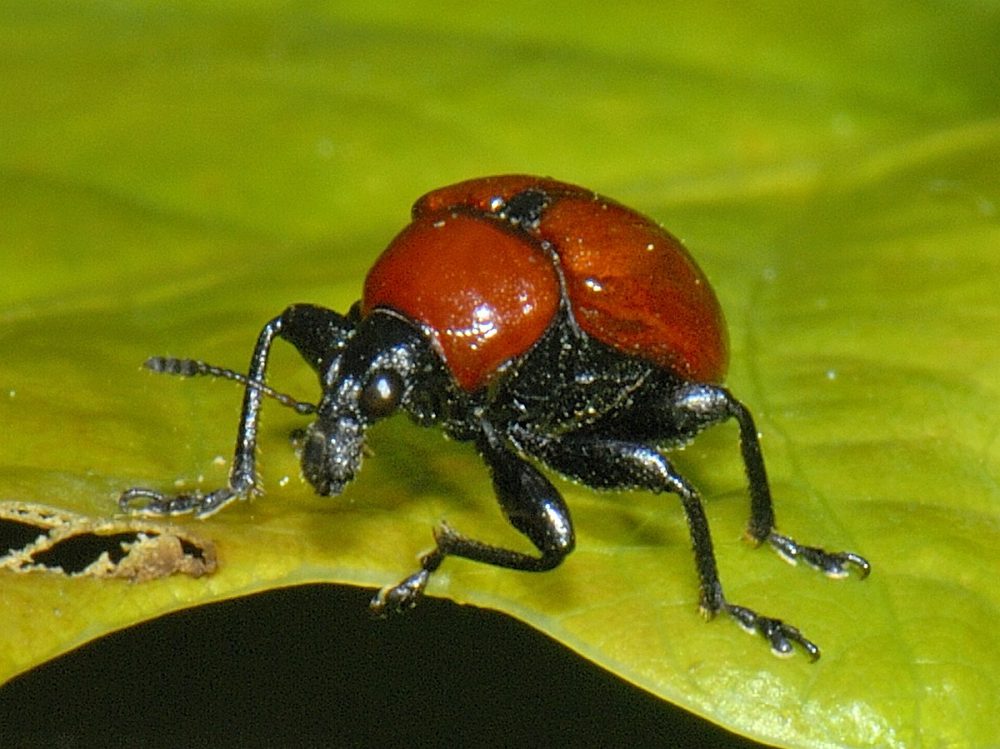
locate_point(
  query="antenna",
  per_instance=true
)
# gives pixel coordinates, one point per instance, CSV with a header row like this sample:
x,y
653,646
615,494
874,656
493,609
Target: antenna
x,y
193,367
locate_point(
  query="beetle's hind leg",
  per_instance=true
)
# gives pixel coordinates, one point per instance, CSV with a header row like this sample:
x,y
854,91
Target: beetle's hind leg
x,y
618,464
761,527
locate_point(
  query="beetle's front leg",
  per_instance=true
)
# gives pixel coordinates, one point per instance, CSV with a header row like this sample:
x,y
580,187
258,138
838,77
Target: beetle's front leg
x,y
319,334
242,474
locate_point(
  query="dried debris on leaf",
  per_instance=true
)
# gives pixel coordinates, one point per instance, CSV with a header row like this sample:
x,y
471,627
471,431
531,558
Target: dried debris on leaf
x,y
35,538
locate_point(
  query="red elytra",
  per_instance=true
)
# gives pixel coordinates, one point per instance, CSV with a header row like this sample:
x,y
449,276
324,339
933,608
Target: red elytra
x,y
487,290
485,294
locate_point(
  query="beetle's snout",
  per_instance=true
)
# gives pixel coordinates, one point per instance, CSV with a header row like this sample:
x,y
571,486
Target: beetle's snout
x,y
331,454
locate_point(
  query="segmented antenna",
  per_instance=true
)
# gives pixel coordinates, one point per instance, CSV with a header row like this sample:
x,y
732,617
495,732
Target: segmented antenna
x,y
193,367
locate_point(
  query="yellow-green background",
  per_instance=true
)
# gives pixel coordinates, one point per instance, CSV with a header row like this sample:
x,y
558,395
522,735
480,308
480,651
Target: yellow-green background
x,y
173,174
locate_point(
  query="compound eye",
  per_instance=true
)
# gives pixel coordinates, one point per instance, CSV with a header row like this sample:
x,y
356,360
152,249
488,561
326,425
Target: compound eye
x,y
381,396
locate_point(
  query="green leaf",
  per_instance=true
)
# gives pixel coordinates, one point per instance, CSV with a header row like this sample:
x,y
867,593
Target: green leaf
x,y
174,175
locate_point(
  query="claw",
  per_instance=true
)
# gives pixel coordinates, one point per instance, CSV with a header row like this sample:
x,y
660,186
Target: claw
x,y
831,563
395,599
150,502
782,637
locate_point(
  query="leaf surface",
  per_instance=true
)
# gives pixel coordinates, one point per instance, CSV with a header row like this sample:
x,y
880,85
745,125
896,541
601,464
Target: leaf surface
x,y
173,176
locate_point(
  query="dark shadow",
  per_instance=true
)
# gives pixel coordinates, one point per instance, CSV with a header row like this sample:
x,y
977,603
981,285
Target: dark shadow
x,y
307,667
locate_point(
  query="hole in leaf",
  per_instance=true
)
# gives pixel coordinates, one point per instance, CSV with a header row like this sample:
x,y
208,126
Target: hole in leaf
x,y
76,553
16,535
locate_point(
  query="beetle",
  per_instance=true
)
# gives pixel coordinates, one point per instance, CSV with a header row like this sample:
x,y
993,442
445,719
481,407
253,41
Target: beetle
x,y
550,327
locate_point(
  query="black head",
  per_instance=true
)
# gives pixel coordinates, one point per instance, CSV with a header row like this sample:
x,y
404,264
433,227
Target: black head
x,y
376,374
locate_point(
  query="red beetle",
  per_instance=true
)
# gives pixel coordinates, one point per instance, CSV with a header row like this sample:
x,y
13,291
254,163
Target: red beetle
x,y
545,324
